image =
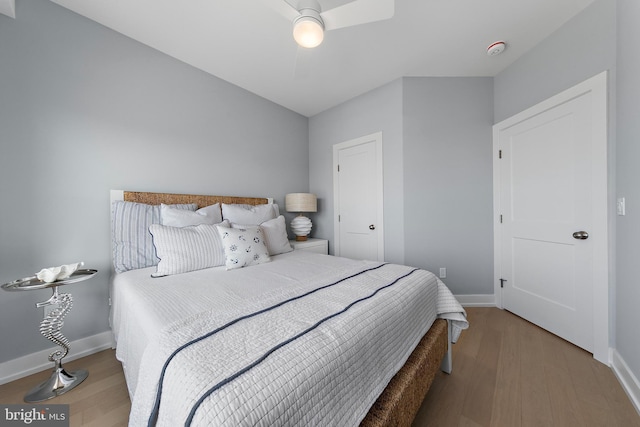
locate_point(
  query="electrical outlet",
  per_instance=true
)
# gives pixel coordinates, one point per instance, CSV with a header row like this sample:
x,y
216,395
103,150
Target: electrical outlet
x,y
620,207
443,272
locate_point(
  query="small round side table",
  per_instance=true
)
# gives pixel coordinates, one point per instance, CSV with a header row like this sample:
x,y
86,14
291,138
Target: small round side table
x,y
60,380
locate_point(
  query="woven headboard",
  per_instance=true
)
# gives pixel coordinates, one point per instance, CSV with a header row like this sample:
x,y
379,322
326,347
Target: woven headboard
x,y
200,200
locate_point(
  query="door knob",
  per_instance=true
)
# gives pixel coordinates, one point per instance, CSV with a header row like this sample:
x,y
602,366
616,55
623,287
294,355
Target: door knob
x,y
581,235
372,227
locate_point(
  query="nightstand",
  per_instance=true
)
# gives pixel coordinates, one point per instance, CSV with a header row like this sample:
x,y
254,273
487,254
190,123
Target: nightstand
x,y
320,246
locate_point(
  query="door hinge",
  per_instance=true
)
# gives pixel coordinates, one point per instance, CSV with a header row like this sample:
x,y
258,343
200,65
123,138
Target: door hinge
x,y
338,218
338,168
500,218
499,154
502,282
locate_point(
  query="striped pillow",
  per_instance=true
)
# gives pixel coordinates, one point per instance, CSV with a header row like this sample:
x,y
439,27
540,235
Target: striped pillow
x,y
183,249
132,243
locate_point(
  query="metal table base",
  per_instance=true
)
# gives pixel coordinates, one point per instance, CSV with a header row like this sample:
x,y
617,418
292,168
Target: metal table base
x,y
60,380
58,383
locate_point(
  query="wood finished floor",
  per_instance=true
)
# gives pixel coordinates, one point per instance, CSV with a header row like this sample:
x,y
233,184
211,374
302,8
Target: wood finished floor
x,y
506,372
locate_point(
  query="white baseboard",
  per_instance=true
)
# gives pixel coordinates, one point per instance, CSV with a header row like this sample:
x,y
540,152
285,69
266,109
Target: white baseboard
x,y
38,361
485,300
627,379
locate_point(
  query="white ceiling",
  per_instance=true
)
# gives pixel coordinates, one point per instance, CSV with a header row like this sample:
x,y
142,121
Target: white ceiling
x,y
8,7
248,44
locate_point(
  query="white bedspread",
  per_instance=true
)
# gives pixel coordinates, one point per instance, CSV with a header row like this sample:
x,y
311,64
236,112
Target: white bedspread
x,y
291,342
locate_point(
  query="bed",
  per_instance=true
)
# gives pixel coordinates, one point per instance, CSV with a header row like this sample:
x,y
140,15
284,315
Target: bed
x,y
280,337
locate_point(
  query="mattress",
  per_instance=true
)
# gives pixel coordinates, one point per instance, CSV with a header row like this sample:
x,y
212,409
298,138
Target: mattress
x,y
313,339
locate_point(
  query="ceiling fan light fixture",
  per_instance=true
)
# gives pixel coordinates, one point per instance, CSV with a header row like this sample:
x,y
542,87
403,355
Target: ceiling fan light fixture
x,y
308,31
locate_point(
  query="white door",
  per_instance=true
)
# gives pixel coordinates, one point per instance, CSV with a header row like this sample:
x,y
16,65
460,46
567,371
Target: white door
x,y
357,184
552,194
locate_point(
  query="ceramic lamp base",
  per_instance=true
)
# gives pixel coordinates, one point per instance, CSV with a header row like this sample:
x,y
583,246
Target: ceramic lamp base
x,y
301,226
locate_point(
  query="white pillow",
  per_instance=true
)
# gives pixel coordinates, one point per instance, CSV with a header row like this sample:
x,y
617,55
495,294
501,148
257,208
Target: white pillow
x,y
181,218
249,214
243,246
131,240
275,235
183,249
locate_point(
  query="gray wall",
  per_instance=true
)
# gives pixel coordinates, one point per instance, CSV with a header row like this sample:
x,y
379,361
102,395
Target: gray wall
x,y
84,110
375,111
628,179
437,170
448,177
582,48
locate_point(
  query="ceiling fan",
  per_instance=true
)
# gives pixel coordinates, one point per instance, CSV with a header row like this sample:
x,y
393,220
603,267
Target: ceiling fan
x,y
310,21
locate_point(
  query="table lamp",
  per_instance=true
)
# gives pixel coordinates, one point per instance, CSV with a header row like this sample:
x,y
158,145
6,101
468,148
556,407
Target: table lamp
x,y
301,203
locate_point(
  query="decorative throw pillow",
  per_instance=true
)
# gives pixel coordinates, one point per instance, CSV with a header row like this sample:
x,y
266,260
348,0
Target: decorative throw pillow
x,y
243,246
275,235
131,241
249,214
183,249
181,218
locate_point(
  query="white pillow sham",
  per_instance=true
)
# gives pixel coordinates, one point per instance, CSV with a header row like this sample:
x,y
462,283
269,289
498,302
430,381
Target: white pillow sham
x,y
184,249
131,241
181,218
275,235
249,214
243,247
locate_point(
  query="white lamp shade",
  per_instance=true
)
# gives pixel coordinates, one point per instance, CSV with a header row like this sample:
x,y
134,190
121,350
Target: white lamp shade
x,y
301,202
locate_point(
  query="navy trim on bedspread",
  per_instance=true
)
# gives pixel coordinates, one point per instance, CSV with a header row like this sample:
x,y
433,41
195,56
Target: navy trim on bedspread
x,y
156,408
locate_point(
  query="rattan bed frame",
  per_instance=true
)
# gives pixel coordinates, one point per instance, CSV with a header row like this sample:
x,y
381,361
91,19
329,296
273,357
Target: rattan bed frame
x,y
401,399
